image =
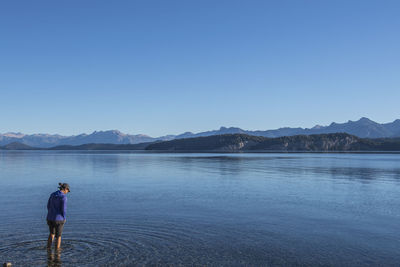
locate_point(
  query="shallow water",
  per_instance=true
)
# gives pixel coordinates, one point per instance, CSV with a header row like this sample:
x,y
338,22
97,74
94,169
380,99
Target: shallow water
x,y
203,209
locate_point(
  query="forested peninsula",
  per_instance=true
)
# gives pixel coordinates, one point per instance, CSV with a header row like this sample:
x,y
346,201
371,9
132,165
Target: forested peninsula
x,y
243,142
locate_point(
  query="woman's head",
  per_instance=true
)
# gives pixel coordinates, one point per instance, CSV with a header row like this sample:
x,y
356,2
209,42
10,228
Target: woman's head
x,y
64,187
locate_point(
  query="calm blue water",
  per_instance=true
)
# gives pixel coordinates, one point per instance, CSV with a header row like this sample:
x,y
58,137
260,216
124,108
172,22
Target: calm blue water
x,y
203,209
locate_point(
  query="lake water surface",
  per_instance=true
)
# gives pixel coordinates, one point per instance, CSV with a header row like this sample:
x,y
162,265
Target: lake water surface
x,y
130,209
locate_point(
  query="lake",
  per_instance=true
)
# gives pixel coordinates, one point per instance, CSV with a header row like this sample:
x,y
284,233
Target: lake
x,y
128,209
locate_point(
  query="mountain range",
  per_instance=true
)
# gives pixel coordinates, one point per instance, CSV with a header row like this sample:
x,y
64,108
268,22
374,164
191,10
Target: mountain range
x,y
363,128
334,142
97,137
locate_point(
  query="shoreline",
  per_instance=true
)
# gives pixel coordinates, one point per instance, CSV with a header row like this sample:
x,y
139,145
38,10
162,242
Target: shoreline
x,y
202,151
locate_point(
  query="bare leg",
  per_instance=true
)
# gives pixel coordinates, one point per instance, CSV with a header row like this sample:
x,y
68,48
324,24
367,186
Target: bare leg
x,y
58,243
50,240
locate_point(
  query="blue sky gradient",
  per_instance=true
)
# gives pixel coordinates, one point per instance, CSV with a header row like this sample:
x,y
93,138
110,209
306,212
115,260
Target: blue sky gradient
x,y
165,67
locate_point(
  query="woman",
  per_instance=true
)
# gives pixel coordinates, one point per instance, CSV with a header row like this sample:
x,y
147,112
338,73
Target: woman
x,y
56,214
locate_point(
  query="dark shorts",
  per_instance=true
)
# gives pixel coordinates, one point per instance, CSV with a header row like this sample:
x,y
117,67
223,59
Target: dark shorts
x,y
56,227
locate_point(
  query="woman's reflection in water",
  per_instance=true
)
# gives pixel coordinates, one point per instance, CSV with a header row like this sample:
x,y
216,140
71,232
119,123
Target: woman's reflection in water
x,y
54,258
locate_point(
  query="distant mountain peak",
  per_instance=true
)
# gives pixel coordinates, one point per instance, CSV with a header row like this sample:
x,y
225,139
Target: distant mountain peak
x,y
316,127
108,132
364,119
229,128
16,135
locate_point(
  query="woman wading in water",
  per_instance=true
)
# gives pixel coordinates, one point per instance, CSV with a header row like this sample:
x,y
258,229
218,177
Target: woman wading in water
x,y
56,214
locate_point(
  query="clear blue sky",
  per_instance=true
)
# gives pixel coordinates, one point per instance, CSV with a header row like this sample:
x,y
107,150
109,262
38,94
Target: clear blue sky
x,y
165,67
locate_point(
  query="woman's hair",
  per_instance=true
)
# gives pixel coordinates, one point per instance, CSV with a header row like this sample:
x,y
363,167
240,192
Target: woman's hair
x,y
63,186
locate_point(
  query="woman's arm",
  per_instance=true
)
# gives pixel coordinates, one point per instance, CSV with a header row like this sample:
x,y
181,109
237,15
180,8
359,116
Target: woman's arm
x,y
64,207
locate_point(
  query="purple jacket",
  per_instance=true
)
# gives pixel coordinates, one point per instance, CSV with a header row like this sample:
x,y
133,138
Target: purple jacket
x,y
57,206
